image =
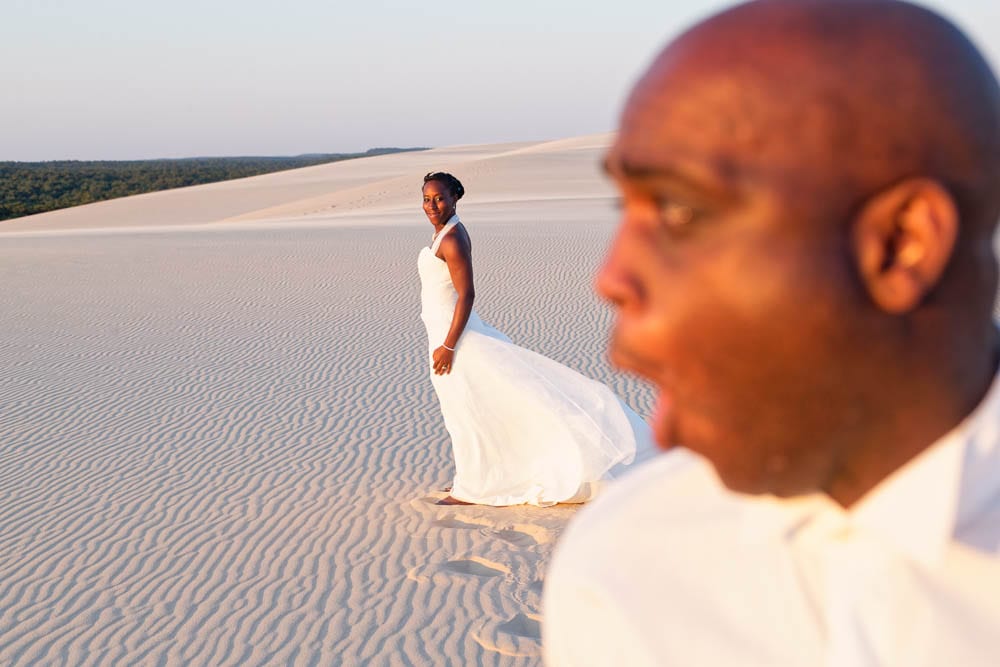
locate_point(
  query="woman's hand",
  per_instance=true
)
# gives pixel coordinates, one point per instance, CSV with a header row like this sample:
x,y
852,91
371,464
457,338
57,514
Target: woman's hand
x,y
443,360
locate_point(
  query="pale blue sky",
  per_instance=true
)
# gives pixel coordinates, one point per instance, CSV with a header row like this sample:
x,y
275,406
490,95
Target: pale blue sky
x,y
129,79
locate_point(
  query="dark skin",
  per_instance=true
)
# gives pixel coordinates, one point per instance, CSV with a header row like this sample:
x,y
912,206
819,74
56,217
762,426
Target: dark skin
x,y
804,264
456,250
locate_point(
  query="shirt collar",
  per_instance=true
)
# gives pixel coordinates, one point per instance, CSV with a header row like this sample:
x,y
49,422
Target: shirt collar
x,y
914,508
919,508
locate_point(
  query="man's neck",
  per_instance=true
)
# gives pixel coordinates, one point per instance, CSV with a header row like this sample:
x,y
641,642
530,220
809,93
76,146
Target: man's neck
x,y
923,411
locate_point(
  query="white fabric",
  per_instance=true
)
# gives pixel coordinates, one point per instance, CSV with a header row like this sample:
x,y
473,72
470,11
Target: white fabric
x,y
524,429
670,568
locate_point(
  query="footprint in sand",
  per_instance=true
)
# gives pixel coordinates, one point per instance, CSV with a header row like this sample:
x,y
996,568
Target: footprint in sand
x,y
520,635
517,538
522,625
456,523
478,567
525,535
519,535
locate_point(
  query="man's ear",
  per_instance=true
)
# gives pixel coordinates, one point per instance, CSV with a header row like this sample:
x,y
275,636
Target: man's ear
x,y
902,240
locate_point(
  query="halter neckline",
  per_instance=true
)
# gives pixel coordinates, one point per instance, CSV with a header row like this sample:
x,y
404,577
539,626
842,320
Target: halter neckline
x,y
444,232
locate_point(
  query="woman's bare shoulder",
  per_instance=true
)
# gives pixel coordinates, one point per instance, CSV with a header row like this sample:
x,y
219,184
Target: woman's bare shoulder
x,y
456,241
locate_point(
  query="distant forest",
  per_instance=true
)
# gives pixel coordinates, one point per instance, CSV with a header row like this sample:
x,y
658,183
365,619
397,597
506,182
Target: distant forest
x,y
36,187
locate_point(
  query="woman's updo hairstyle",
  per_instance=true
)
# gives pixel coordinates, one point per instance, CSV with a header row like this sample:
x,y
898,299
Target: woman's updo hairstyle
x,y
450,182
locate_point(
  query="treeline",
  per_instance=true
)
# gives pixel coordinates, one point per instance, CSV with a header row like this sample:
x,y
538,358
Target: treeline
x,y
36,187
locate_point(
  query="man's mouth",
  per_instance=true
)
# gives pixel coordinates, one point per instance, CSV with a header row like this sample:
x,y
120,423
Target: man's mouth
x,y
622,358
662,419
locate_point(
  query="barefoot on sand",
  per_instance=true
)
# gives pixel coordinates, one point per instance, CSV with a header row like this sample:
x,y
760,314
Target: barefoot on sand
x,y
449,500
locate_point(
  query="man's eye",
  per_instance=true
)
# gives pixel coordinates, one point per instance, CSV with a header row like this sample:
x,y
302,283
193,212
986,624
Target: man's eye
x,y
675,215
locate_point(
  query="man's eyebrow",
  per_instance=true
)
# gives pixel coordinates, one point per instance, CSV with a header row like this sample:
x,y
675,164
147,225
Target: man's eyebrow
x,y
709,183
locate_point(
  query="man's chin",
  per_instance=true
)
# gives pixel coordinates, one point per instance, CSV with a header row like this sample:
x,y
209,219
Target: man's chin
x,y
662,421
754,481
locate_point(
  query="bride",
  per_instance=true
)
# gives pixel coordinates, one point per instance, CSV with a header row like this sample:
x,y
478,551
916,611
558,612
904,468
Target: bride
x,y
524,429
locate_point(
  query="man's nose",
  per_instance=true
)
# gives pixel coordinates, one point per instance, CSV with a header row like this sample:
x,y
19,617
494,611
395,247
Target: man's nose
x,y
614,281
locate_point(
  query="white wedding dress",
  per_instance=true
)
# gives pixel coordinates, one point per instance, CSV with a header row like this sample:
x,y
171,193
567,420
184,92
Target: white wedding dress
x,y
524,428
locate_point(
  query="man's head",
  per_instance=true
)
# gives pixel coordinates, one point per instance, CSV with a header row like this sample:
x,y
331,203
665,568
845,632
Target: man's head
x,y
809,191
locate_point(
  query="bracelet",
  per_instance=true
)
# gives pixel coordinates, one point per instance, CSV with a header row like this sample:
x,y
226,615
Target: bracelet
x,y
450,349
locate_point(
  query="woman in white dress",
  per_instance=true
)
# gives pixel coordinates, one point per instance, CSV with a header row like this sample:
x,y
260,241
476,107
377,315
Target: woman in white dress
x,y
524,428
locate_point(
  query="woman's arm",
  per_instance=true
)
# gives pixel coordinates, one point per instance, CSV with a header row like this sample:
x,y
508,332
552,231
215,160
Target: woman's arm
x,y
456,250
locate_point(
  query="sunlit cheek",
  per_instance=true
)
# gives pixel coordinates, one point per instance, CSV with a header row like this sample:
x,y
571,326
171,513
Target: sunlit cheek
x,y
654,332
664,309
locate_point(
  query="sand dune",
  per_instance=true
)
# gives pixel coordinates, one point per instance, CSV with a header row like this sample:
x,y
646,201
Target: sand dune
x,y
220,443
381,184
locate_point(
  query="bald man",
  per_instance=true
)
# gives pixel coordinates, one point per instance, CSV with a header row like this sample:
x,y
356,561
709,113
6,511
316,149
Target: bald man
x,y
804,269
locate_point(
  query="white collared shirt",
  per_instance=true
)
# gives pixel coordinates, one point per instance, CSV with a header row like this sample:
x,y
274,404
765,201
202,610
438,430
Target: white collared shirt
x,y
670,568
